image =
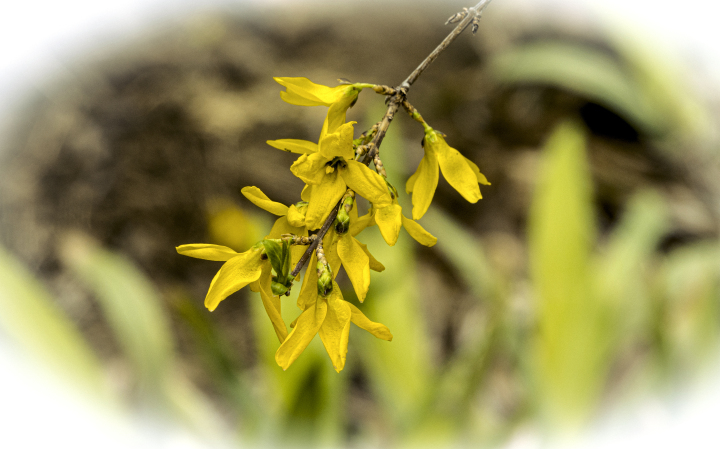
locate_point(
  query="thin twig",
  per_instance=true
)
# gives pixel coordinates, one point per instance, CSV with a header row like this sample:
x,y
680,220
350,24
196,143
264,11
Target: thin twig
x,y
382,127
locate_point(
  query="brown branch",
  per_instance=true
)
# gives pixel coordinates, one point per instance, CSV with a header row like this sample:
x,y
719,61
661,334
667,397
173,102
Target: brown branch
x,y
395,100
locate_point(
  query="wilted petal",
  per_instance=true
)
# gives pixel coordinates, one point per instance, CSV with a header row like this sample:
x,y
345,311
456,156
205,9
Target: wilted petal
x,y
335,328
389,222
306,326
310,168
379,330
258,198
235,274
323,198
418,232
356,263
207,251
366,183
426,180
294,145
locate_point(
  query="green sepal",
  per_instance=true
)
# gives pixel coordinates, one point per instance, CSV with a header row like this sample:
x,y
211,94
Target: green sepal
x,y
278,289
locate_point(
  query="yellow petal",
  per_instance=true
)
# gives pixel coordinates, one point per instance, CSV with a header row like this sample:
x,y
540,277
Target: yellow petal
x,y
308,291
323,198
310,168
235,274
330,244
426,181
298,100
480,177
294,146
410,184
321,95
389,222
307,325
282,226
305,194
374,264
338,144
379,330
295,217
258,198
335,329
357,226
458,173
206,251
337,113
366,183
356,263
418,232
271,303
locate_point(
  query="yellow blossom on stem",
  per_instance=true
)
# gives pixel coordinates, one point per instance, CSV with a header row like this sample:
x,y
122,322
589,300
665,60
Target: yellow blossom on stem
x,y
239,270
328,173
330,317
461,173
303,92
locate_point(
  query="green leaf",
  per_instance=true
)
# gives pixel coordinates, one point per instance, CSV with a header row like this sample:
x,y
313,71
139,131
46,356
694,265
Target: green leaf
x,y
33,320
287,261
275,253
570,346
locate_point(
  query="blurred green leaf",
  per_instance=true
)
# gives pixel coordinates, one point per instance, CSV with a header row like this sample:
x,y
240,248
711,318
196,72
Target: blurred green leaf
x,y
586,71
133,309
31,317
570,346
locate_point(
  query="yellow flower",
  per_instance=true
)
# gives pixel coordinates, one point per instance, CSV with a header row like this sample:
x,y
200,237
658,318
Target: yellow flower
x,y
330,317
330,170
239,270
460,172
303,92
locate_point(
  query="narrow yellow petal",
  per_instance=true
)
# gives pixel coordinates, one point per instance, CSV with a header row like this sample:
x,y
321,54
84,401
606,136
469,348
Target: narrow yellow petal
x,y
330,244
366,183
337,113
389,222
418,232
294,146
323,198
307,325
335,329
282,226
258,198
235,274
426,181
379,330
305,194
296,217
458,173
308,291
319,93
374,264
357,226
206,251
338,144
299,100
271,303
480,177
310,168
356,263
410,184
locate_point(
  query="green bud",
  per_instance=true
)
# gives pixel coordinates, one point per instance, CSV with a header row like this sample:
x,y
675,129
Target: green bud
x,y
342,222
278,289
325,279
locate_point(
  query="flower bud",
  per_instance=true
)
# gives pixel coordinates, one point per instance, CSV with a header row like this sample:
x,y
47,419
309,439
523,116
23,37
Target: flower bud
x,y
325,279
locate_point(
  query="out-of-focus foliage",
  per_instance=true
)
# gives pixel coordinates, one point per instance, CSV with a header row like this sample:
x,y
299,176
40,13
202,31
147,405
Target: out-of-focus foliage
x,y
577,318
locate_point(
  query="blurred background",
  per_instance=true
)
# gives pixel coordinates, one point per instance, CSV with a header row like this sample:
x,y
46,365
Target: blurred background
x,y
580,295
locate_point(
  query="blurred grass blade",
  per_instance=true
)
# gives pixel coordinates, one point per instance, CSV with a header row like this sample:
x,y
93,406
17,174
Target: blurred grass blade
x,y
570,344
132,307
31,317
586,71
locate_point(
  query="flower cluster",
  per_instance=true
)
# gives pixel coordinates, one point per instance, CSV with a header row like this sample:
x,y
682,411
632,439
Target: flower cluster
x,y
323,227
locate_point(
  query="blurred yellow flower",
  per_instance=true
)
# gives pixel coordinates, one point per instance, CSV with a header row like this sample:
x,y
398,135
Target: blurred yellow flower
x,y
460,172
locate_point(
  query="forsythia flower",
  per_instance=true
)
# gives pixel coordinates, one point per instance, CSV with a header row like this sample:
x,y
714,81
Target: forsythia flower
x,y
460,172
303,92
330,317
330,170
239,270
390,219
